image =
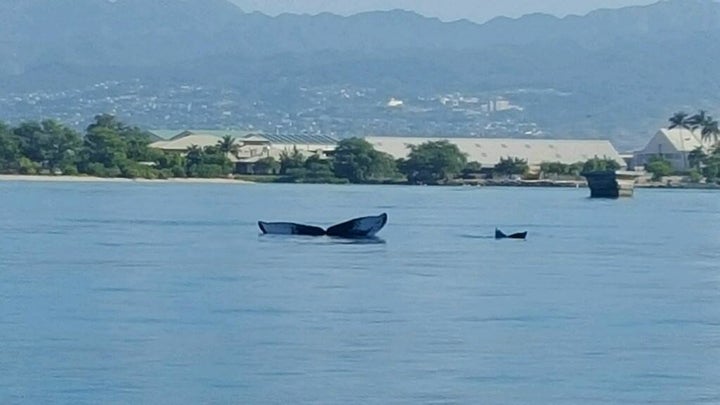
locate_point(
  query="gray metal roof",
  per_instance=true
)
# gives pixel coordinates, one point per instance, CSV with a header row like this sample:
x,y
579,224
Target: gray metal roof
x,y
170,134
299,139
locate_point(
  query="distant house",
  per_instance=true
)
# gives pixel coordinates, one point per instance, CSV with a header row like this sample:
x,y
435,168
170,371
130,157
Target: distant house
x,y
252,147
181,140
489,151
673,145
181,144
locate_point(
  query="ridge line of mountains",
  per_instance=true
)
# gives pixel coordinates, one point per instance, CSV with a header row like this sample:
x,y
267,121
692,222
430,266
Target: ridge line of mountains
x,y
621,71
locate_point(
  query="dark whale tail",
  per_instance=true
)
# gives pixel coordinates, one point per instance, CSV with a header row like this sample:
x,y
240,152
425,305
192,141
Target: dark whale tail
x,y
364,227
501,235
289,228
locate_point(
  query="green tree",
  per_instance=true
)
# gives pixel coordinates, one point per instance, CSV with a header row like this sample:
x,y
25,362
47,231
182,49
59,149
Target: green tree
x,y
708,126
51,145
207,171
696,157
289,161
267,165
473,167
105,147
194,155
9,150
597,164
27,166
510,166
710,130
433,162
561,169
314,170
209,162
172,163
63,150
695,176
111,143
711,169
556,168
228,145
214,156
107,121
659,168
574,169
318,170
357,160
33,141
472,170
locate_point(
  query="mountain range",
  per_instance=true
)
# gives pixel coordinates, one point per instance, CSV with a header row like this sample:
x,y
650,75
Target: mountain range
x,y
625,70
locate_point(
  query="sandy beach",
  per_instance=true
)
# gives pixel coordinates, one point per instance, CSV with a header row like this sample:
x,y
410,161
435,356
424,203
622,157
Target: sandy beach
x,y
89,179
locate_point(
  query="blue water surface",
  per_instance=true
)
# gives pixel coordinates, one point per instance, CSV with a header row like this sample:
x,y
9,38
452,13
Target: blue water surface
x,y
166,294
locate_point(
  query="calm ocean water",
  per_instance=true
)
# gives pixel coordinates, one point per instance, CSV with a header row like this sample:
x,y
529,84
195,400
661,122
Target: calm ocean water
x,y
165,293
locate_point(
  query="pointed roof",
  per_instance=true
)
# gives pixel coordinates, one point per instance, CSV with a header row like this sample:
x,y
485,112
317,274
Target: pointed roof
x,y
684,140
185,142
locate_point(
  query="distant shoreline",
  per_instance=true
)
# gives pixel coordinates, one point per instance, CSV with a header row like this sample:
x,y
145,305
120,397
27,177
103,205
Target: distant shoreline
x,y
485,183
90,179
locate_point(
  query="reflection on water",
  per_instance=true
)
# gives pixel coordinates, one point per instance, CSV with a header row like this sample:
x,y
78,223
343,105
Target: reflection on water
x,y
324,240
137,293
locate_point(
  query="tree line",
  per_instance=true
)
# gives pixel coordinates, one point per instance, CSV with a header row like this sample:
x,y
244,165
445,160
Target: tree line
x,y
434,162
109,148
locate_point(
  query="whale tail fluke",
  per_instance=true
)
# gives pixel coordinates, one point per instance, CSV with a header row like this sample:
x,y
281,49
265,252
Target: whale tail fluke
x,y
501,235
364,227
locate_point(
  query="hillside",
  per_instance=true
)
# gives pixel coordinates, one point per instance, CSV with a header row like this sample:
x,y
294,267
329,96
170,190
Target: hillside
x,y
622,70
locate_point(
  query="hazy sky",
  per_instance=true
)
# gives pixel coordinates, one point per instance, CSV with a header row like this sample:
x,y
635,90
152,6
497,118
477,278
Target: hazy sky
x,y
477,10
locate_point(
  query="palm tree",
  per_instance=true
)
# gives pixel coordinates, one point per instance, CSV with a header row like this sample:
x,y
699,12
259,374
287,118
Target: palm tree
x,y
698,120
227,145
710,130
194,155
680,120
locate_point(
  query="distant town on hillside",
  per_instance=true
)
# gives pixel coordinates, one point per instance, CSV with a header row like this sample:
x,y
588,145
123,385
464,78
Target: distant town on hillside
x,y
611,74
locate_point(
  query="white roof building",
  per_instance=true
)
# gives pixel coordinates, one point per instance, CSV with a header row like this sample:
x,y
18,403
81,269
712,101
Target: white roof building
x,y
251,147
489,151
673,145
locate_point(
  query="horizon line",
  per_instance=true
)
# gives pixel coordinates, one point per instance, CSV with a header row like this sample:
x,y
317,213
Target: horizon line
x,y
451,20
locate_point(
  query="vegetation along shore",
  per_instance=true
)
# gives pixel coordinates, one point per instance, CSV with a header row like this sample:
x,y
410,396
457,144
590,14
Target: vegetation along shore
x,y
110,150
